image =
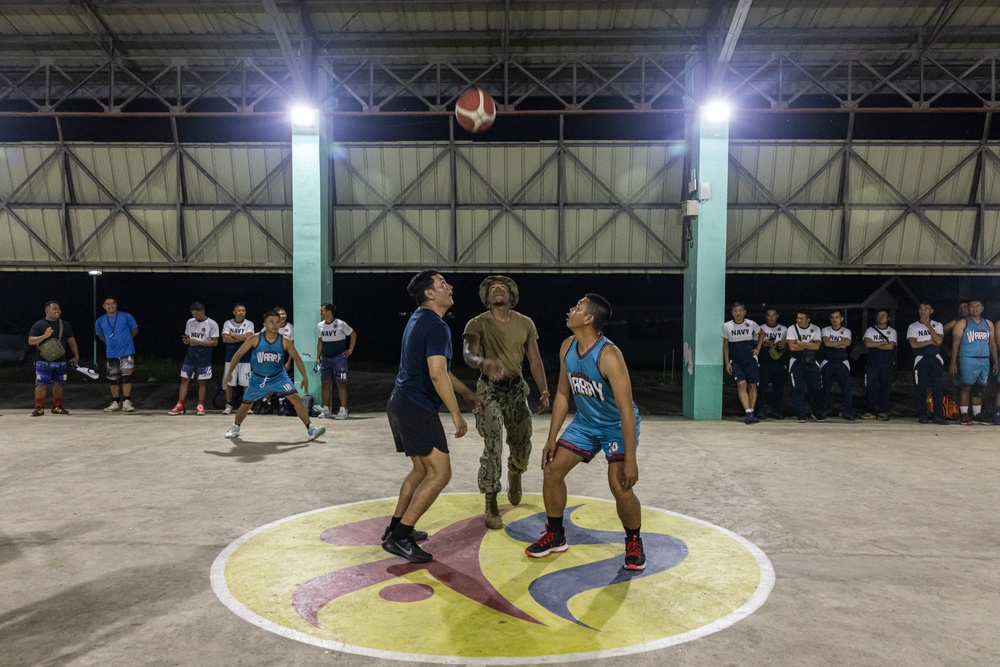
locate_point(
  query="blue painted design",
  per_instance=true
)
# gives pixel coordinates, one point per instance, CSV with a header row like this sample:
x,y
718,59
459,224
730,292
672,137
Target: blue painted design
x,y
553,591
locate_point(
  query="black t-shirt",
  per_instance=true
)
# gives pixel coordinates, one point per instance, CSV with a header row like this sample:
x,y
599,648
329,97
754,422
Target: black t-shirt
x,y
38,329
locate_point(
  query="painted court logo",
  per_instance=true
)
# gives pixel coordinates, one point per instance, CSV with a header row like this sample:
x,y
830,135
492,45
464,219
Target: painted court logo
x,y
323,578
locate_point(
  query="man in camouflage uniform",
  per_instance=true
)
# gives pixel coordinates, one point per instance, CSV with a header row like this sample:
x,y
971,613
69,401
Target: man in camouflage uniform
x,y
496,343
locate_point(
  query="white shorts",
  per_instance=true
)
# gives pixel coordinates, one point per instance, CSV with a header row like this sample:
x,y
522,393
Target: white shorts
x,y
241,376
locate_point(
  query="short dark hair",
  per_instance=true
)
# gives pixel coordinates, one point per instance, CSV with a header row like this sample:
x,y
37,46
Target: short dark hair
x,y
51,303
277,308
803,312
272,313
599,308
924,302
197,305
330,308
238,304
110,298
838,310
770,308
737,304
420,283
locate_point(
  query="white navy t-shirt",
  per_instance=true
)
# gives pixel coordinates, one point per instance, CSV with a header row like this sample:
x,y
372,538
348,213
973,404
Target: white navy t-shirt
x,y
742,338
807,335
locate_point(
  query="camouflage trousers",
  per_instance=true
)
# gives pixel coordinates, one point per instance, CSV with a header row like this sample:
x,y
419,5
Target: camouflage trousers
x,y
506,408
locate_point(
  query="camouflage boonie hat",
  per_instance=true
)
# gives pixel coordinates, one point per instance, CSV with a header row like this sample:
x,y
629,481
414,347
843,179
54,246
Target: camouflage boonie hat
x,y
484,289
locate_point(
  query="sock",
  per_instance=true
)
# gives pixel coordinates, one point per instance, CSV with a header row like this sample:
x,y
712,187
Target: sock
x,y
40,403
631,532
749,411
556,524
396,520
401,531
976,409
56,402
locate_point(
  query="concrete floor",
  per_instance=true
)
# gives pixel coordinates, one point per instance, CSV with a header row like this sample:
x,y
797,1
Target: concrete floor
x,y
884,537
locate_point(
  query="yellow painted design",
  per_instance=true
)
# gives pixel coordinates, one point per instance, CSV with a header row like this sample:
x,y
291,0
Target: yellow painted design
x,y
718,576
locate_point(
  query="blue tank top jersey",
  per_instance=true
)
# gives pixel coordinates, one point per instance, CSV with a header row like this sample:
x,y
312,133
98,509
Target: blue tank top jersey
x,y
267,358
594,398
975,339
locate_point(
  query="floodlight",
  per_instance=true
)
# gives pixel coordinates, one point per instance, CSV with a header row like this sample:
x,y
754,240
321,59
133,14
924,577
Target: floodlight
x,y
303,115
94,272
717,112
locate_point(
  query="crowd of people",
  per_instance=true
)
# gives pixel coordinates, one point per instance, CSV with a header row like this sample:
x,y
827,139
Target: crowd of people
x,y
761,357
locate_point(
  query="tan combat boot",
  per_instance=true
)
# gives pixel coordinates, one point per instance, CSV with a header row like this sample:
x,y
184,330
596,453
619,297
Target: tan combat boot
x,y
513,488
492,515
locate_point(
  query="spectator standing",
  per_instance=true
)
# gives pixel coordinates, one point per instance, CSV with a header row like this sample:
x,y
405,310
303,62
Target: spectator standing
x,y
741,343
234,333
117,330
773,366
51,336
926,337
836,365
880,340
335,341
804,340
973,348
201,334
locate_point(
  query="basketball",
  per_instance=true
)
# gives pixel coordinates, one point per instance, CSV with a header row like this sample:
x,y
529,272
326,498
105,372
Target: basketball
x,y
475,110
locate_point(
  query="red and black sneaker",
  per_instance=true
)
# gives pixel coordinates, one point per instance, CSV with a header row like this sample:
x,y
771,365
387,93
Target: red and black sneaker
x,y
966,419
547,543
635,557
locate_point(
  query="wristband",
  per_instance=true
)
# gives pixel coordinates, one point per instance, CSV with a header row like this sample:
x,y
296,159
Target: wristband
x,y
546,393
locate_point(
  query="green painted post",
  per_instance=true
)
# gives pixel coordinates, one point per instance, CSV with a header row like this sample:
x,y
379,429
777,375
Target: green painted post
x,y
312,277
705,277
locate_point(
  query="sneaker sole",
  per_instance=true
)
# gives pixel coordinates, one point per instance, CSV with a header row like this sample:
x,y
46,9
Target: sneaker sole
x,y
231,436
636,568
320,431
543,554
413,558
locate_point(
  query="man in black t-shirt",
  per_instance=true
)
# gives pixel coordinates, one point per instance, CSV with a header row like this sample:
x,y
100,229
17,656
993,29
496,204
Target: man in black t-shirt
x,y
52,371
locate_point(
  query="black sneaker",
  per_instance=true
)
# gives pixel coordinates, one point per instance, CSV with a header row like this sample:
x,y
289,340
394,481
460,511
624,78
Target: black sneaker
x,y
38,412
819,417
850,418
635,557
777,415
549,542
759,417
416,535
801,420
406,548
940,421
922,419
748,418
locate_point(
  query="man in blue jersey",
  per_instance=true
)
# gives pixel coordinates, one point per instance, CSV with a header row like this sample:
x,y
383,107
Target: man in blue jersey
x,y
741,343
925,337
593,371
117,330
804,340
423,384
773,366
234,333
267,351
973,348
201,335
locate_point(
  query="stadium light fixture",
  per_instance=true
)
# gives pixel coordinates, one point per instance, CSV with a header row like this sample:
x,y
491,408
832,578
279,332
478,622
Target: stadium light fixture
x,y
303,115
717,112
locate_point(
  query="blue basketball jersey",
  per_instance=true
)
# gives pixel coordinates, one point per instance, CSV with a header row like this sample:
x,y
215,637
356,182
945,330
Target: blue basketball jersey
x,y
594,398
975,339
267,358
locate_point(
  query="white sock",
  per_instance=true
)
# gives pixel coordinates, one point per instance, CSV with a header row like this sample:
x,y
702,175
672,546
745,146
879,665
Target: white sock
x,y
976,409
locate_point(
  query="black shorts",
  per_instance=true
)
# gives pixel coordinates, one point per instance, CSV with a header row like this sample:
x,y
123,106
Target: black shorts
x,y
415,431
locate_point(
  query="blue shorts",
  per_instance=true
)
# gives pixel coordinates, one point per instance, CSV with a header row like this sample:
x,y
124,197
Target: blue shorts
x,y
746,370
190,372
279,384
47,372
973,370
585,440
333,368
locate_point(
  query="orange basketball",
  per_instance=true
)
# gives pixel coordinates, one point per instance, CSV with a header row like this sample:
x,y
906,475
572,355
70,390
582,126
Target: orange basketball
x,y
475,110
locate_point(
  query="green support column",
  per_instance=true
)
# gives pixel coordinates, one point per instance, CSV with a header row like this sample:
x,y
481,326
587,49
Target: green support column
x,y
705,277
312,277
